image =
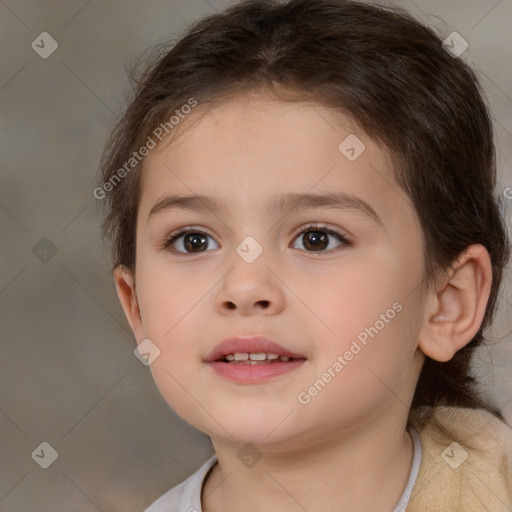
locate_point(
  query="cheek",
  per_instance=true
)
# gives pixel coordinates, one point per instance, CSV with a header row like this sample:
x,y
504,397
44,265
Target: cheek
x,y
370,360
172,309
369,313
168,296
351,294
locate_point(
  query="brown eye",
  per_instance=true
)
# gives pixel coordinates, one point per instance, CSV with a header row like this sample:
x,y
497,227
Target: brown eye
x,y
188,242
317,239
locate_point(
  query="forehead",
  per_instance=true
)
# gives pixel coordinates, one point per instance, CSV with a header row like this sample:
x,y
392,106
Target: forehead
x,y
247,149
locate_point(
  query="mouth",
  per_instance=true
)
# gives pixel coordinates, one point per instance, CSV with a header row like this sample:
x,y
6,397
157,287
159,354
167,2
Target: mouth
x,y
252,359
255,358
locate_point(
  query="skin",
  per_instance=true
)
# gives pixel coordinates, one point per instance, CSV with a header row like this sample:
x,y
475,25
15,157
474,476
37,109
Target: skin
x,y
347,449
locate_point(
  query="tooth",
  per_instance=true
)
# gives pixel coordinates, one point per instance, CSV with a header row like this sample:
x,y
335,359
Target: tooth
x,y
230,357
259,356
284,358
272,356
240,356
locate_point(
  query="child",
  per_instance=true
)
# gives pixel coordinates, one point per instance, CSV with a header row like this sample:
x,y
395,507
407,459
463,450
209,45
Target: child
x,y
307,247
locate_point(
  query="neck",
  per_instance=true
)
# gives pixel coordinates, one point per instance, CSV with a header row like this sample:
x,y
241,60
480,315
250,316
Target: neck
x,y
366,468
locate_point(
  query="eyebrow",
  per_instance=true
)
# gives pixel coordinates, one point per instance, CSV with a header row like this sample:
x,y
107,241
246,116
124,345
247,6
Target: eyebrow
x,y
277,205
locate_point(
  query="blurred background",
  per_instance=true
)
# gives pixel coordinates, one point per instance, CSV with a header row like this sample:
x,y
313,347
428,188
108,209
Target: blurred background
x,y
68,375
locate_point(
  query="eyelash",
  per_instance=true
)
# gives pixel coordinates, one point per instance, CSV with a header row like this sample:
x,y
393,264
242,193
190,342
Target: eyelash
x,y
309,227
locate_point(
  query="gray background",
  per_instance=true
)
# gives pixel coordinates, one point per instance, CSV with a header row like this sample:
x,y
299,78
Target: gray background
x,y
68,375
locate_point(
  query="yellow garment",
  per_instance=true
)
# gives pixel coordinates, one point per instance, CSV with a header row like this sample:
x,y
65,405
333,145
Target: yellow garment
x,y
448,483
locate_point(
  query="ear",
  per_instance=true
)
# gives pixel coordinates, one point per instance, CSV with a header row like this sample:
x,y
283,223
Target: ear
x,y
126,291
455,310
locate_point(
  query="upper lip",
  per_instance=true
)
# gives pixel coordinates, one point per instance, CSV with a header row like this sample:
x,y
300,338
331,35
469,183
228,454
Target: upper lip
x,y
248,344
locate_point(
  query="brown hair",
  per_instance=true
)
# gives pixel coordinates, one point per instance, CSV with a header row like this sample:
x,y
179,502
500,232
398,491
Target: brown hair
x,y
385,71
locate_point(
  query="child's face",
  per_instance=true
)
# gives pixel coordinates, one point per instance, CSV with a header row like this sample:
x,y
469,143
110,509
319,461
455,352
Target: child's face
x,y
316,303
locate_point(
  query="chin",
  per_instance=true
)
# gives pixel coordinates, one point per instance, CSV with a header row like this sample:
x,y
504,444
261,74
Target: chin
x,y
243,429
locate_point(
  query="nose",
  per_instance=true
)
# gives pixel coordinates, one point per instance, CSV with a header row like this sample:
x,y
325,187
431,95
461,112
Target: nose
x,y
250,289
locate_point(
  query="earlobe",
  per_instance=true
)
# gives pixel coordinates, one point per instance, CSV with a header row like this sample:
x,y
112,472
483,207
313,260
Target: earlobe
x,y
126,291
454,312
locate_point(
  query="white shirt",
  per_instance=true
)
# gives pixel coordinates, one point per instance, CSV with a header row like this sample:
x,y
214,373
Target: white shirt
x,y
186,497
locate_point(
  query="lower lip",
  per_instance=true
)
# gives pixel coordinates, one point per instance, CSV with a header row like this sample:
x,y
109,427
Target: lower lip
x,y
244,372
